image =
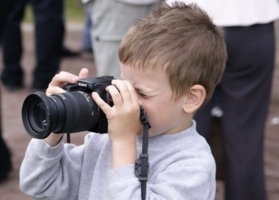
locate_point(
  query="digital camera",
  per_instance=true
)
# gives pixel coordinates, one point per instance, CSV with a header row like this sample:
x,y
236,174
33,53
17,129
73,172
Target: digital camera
x,y
69,112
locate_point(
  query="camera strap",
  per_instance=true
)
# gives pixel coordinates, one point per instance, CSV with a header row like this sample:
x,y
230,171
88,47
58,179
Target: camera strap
x,y
68,138
142,164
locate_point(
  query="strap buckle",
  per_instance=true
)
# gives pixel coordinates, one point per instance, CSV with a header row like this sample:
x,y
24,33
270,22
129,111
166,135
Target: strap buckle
x,y
142,167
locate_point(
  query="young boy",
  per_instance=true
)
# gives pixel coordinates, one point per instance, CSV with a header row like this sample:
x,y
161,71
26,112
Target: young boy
x,y
170,63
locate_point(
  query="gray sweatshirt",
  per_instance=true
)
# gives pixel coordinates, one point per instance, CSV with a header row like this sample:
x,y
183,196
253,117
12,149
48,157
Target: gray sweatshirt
x,y
181,167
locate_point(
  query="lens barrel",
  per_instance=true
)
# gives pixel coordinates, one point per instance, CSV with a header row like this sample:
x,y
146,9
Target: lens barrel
x,y
60,113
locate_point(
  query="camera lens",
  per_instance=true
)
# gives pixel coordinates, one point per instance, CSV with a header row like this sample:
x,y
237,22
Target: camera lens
x,y
60,113
40,112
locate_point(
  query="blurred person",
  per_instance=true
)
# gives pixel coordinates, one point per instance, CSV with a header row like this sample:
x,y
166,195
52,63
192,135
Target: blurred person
x,y
49,34
5,155
244,92
86,36
5,8
111,21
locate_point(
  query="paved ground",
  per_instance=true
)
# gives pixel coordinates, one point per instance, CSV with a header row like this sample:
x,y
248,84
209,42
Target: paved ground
x,y
17,138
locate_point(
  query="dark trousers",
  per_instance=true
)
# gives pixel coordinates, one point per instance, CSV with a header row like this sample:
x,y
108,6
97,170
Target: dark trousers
x,y
5,9
5,156
244,95
49,33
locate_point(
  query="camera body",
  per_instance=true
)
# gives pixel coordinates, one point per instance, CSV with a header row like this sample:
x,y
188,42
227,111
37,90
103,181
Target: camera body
x,y
94,84
68,112
97,84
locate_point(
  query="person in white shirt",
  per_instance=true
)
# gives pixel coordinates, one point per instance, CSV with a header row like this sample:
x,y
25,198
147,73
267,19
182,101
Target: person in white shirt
x,y
244,91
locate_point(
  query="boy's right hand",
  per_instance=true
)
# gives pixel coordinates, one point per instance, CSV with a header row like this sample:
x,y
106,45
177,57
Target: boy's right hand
x,y
56,86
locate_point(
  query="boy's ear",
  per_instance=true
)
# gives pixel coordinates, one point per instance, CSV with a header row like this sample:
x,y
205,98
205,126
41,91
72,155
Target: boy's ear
x,y
194,99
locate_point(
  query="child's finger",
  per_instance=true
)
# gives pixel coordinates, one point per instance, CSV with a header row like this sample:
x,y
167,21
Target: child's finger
x,y
54,90
123,89
63,77
133,93
59,81
115,94
101,103
83,73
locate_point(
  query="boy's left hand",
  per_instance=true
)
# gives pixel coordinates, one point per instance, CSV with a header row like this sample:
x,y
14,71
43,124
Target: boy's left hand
x,y
123,117
123,121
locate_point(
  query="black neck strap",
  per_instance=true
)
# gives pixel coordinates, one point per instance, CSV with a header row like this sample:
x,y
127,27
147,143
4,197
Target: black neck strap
x,y
142,164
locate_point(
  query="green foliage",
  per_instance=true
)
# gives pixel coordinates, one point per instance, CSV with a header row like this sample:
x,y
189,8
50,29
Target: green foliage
x,y
28,14
73,9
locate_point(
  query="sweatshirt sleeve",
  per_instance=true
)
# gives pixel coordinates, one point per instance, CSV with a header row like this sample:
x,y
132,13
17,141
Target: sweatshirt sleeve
x,y
178,181
48,172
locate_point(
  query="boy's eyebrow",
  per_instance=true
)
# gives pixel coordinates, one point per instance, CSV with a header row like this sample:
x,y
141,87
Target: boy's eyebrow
x,y
140,88
145,91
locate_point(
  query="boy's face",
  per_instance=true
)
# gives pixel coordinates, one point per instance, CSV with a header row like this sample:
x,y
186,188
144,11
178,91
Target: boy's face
x,y
166,115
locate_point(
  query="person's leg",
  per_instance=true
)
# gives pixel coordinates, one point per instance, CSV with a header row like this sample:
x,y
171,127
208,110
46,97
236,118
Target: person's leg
x,y
12,73
49,38
245,94
5,9
86,37
5,156
111,21
5,159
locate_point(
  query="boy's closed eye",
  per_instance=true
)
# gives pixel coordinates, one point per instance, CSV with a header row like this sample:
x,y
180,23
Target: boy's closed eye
x,y
142,94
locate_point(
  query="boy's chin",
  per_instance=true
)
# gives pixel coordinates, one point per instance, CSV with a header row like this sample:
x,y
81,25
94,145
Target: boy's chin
x,y
150,133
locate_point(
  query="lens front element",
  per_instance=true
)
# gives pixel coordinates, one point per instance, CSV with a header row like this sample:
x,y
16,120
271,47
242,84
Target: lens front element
x,y
61,113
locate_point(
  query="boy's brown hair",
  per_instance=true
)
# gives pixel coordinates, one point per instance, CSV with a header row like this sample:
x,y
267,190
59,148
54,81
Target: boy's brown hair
x,y
181,40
